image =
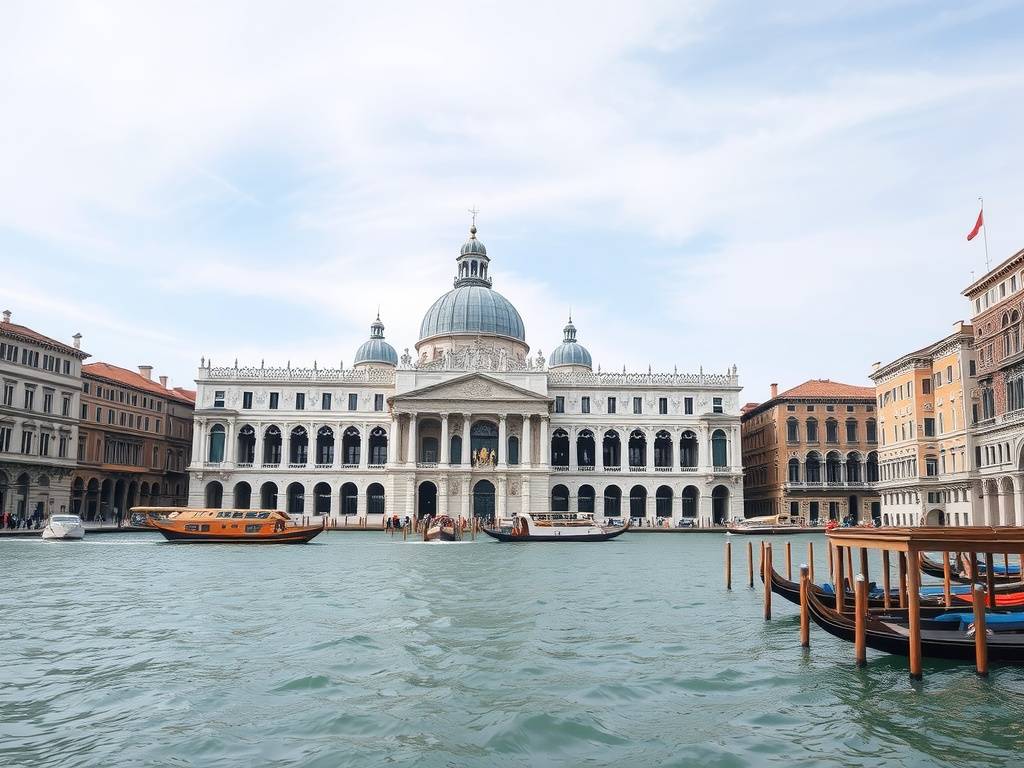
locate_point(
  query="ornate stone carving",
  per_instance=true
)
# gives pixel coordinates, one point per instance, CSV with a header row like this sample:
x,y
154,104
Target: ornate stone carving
x,y
476,388
513,487
454,486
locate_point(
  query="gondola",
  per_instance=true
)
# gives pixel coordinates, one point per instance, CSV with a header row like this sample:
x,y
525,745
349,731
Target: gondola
x,y
958,575
1008,597
946,636
554,526
442,528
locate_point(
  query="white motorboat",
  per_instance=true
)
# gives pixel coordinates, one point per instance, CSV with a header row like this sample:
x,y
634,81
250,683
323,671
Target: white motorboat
x,y
64,528
554,526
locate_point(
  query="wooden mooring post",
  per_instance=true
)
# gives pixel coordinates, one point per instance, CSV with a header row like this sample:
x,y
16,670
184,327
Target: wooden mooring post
x,y
789,561
913,593
767,582
805,618
750,563
860,610
946,578
886,580
728,565
980,632
810,559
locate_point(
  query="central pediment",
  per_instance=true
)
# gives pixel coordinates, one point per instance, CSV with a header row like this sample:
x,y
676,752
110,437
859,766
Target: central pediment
x,y
472,387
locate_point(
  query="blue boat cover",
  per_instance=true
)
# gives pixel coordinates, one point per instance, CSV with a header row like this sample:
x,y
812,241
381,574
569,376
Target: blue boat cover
x,y
997,621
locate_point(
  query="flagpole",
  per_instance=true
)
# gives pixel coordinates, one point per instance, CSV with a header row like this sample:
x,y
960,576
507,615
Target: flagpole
x,y
984,230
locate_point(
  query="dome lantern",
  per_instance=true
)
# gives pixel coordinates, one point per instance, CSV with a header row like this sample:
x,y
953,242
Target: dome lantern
x,y
376,351
472,263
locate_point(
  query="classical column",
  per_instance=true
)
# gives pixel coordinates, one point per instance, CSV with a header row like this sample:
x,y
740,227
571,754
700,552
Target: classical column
x,y
649,443
502,440
442,495
526,448
502,491
197,443
339,434
466,443
445,455
410,449
598,454
545,441
286,445
393,439
574,459
229,442
311,446
364,446
1018,505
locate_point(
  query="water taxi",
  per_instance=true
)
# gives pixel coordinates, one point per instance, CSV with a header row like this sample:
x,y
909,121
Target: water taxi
x,y
227,526
554,526
770,525
64,528
443,528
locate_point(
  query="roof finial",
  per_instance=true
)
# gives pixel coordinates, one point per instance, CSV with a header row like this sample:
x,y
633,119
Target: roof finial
x,y
474,211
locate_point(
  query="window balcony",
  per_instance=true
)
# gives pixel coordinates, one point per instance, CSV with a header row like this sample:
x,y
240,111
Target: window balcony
x,y
350,466
559,467
271,464
637,469
663,469
375,466
207,464
585,468
688,469
426,465
297,465
244,465
322,465
612,468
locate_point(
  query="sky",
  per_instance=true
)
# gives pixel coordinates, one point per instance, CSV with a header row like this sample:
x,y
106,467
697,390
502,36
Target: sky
x,y
786,187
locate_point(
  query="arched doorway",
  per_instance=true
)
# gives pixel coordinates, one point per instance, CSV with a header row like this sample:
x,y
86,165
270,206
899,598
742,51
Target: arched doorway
x,y
483,500
214,495
663,502
296,499
375,501
426,500
21,496
559,499
854,505
77,495
321,499
585,499
243,495
349,499
92,500
612,501
268,496
638,501
720,504
691,498
935,517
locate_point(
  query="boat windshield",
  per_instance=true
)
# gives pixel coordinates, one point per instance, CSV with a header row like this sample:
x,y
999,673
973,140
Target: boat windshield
x,y
69,519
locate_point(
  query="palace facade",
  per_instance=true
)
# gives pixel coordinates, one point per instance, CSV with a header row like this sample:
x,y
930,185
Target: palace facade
x,y
472,425
810,453
925,416
42,385
134,445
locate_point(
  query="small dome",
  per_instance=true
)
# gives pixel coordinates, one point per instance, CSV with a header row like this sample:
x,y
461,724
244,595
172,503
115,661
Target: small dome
x,y
473,247
376,350
570,351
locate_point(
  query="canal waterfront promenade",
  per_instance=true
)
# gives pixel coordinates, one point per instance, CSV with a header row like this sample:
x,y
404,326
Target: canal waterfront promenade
x,y
363,651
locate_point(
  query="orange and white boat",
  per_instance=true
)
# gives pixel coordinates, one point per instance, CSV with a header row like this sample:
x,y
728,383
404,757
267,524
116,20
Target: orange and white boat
x,y
227,526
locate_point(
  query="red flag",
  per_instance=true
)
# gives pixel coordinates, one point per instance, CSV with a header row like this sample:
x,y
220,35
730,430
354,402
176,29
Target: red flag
x,y
978,225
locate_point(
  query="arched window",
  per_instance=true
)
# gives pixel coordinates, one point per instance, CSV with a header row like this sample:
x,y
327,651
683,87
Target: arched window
x,y
851,430
375,499
831,431
585,448
792,430
378,446
243,495
351,443
833,474
559,499
663,451
638,501
612,501
325,446
719,449
428,450
246,445
720,504
216,444
812,468
637,449
853,474
663,502
483,434
688,450
560,448
456,450
299,451
812,430
268,496
214,495
513,450
272,446
612,450
794,471
871,431
296,499
585,499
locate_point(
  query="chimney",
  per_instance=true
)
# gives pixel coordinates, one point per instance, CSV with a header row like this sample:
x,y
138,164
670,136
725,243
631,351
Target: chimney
x,y
78,340
7,316
163,382
775,391
146,371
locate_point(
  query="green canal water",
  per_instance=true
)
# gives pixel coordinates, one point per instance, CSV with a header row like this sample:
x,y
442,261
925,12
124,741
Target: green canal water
x,y
358,650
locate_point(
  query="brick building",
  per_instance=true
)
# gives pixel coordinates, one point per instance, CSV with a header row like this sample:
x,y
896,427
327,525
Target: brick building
x,y
810,452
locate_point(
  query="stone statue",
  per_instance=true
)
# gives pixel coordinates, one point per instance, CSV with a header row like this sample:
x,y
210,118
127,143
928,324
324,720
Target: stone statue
x,y
493,458
406,358
484,456
540,360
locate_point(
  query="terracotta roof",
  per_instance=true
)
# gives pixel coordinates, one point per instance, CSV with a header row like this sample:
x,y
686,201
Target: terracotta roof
x,y
827,388
14,329
189,394
136,380
749,407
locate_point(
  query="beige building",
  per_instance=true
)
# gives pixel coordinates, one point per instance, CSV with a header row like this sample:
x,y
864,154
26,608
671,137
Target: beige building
x,y
809,452
926,462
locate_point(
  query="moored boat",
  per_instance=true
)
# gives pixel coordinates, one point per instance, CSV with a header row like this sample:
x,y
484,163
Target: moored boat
x,y
64,528
228,526
554,526
442,528
772,525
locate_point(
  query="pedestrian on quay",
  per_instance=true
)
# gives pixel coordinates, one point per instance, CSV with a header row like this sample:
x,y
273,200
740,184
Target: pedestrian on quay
x,y
387,524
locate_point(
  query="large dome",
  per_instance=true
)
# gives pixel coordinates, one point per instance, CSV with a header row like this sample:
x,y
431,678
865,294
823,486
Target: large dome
x,y
473,310
570,352
375,349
